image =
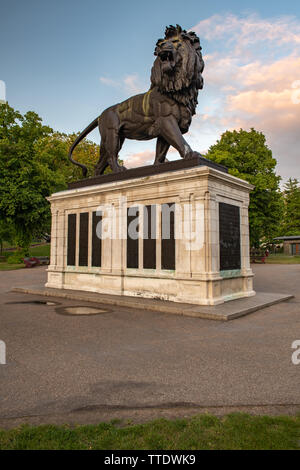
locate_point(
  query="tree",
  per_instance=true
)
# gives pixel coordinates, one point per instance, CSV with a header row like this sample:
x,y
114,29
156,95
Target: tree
x,y
7,233
34,164
291,219
53,149
26,179
247,156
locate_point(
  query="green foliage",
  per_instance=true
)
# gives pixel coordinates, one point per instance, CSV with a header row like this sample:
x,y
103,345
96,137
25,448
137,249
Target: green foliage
x,y
34,164
247,156
53,150
26,179
16,257
291,219
7,233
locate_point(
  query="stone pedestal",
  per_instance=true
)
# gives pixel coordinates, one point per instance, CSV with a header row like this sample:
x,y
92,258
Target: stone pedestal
x,y
193,247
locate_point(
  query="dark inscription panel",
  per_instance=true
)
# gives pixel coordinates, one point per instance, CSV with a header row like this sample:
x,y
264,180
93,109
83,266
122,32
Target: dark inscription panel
x,y
149,238
83,239
168,236
229,229
132,239
71,249
96,239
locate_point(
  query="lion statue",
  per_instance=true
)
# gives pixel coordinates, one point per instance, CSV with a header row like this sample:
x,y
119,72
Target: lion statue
x,y
164,112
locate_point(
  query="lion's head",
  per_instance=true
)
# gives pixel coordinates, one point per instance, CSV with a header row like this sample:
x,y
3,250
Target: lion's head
x,y
177,70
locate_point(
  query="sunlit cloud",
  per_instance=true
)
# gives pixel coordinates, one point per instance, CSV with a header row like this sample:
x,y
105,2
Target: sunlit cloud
x,y
251,79
244,32
251,75
143,158
147,157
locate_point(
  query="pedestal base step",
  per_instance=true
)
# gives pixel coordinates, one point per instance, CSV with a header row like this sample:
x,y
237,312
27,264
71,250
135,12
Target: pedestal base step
x,y
224,312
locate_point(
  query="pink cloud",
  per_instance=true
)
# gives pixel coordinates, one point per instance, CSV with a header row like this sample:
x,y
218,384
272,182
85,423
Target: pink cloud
x,y
146,157
251,81
249,30
272,76
260,102
143,158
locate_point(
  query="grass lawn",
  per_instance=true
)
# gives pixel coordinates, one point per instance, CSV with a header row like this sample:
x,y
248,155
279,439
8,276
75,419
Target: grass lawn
x,y
234,431
280,258
40,250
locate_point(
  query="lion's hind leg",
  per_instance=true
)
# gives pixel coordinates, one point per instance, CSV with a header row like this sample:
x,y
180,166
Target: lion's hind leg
x,y
111,141
102,163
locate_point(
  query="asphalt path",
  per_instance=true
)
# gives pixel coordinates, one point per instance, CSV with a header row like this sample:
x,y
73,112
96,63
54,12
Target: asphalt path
x,y
137,364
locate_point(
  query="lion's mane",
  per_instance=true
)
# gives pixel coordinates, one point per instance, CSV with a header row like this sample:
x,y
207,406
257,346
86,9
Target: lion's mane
x,y
183,83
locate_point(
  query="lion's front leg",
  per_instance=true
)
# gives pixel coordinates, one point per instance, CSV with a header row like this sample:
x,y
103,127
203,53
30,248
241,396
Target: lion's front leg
x,y
171,133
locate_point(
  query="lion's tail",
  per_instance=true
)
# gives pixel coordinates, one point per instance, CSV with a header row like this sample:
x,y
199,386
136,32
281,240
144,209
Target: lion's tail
x,y
81,136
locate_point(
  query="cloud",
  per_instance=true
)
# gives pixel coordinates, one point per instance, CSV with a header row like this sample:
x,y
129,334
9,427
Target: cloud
x,y
130,84
262,102
147,157
244,32
143,158
252,78
109,81
133,85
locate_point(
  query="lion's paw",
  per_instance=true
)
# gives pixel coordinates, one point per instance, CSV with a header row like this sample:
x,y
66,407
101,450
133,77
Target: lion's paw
x,y
192,154
120,169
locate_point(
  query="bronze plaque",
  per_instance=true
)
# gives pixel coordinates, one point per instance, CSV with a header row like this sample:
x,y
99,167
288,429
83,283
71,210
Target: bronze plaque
x,y
83,239
168,236
132,239
71,249
230,243
149,239
96,239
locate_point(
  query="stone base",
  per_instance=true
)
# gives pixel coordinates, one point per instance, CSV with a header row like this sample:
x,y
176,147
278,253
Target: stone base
x,y
182,290
197,276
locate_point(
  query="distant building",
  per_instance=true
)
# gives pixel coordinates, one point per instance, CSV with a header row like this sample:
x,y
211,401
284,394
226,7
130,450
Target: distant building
x,y
291,244
2,92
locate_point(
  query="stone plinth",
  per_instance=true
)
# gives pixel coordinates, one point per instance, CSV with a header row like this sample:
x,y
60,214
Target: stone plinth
x,y
198,252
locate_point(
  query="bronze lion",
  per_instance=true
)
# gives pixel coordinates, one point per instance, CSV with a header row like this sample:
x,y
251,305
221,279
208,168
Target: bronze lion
x,y
164,112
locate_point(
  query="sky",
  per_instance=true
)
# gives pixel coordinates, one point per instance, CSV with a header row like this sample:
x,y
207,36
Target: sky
x,y
68,60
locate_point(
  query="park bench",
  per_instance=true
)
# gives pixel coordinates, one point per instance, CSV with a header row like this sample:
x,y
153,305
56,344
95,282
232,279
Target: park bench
x,y
258,259
36,261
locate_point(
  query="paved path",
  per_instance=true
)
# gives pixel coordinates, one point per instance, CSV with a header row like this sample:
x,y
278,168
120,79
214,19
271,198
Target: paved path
x,y
138,364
